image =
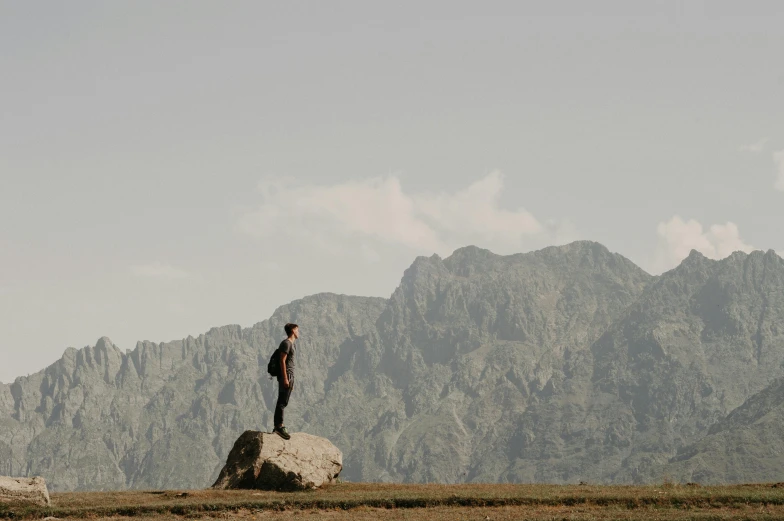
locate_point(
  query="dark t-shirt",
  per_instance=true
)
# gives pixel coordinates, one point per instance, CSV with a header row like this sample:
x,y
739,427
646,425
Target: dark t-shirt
x,y
288,347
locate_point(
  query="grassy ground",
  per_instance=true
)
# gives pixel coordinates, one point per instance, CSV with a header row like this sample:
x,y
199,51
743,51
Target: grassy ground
x,y
381,502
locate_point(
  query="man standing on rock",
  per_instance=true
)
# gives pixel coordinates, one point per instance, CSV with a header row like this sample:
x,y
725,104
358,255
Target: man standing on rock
x,y
285,377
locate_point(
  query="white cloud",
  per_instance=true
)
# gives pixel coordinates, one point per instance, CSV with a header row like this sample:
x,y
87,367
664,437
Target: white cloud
x,y
158,270
475,212
778,158
755,147
678,237
379,209
372,208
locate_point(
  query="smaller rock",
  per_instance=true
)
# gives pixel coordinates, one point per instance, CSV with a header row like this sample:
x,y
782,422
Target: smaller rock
x,y
265,461
24,491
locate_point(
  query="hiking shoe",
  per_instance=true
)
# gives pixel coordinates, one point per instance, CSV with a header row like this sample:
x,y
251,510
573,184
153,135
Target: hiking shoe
x,y
282,432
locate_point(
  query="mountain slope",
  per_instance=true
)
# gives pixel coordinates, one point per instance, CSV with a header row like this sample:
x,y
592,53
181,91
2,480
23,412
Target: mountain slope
x,y
477,340
560,365
746,446
165,415
700,340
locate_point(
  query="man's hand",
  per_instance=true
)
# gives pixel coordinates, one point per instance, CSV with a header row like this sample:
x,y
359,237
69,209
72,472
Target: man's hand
x,y
286,383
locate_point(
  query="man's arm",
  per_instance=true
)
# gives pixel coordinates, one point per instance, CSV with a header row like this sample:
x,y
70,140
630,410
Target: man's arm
x,y
283,357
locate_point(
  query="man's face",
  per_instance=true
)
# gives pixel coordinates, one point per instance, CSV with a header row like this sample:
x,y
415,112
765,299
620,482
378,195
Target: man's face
x,y
295,332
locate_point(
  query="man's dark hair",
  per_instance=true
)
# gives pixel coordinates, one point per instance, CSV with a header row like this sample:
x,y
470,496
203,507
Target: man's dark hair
x,y
289,328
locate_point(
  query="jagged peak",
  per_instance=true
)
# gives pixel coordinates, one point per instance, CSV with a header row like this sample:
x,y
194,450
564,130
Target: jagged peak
x,y
744,269
580,246
231,328
104,343
738,257
693,260
316,298
464,261
423,264
769,256
584,249
471,251
73,357
574,247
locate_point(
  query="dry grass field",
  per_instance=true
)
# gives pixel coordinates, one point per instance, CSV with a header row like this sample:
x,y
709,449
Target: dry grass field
x,y
382,502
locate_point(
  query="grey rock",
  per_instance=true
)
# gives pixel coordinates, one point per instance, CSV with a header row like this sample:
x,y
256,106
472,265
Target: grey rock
x,y
166,414
746,446
262,460
701,340
562,365
24,491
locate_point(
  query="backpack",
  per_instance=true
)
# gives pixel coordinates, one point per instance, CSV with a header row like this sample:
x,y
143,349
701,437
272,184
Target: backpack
x,y
273,366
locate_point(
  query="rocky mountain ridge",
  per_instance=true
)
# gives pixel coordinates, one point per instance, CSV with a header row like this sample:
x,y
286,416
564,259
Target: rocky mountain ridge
x,y
561,365
745,446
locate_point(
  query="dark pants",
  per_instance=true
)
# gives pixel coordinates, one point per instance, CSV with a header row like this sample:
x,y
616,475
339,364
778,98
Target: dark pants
x,y
283,400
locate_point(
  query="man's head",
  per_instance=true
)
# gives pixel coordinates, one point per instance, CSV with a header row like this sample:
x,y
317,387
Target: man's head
x,y
292,330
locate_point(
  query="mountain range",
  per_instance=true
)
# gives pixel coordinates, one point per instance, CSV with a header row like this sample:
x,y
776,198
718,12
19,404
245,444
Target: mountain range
x,y
561,365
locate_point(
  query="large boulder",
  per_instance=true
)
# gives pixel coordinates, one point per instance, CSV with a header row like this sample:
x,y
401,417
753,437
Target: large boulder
x,y
24,491
262,460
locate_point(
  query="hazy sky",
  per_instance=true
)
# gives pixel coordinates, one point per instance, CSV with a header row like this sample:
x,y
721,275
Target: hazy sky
x,y
171,166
